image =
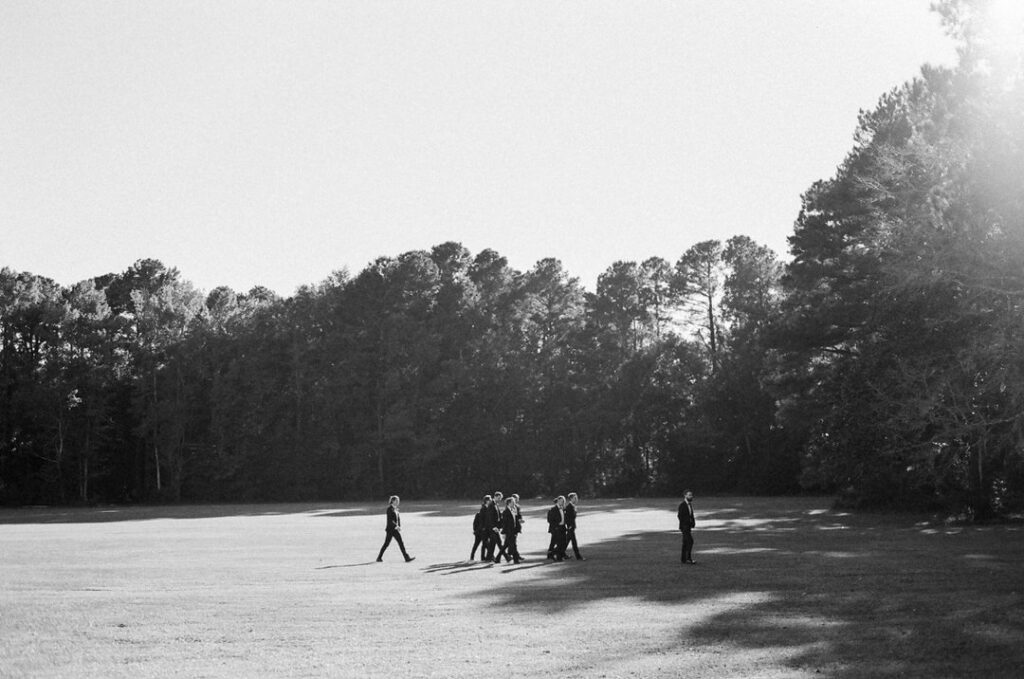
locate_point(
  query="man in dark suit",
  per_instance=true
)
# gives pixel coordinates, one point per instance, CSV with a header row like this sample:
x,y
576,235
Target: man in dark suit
x,y
394,529
479,534
556,526
686,525
491,526
519,520
510,527
570,524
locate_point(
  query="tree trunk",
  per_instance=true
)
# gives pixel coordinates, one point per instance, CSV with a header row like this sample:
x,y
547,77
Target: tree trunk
x,y
156,434
980,501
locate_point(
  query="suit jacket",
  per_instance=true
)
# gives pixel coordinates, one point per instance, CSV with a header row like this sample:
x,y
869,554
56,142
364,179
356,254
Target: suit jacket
x,y
509,524
491,519
478,521
554,519
570,516
394,520
686,520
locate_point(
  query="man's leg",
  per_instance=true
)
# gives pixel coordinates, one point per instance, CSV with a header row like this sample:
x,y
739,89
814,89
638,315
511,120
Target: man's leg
x,y
575,546
387,541
512,548
487,550
401,546
501,548
477,540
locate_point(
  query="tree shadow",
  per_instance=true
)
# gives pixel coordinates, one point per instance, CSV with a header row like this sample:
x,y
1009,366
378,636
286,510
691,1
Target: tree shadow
x,y
114,513
849,595
108,514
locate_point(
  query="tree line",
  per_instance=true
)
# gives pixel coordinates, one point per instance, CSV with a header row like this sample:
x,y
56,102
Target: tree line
x,y
883,362
433,372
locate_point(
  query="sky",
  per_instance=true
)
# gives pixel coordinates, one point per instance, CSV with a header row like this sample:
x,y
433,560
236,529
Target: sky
x,y
272,143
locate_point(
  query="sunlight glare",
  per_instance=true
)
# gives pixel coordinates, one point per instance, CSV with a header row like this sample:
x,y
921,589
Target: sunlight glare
x,y
1004,25
1006,17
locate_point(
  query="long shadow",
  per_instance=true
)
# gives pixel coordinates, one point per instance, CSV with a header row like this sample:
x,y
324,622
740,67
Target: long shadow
x,y
458,567
533,510
346,565
107,514
846,595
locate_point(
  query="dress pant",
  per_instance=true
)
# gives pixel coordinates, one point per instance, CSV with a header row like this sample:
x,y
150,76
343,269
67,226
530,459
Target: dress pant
x,y
571,535
478,540
687,544
512,548
503,549
492,541
397,537
556,548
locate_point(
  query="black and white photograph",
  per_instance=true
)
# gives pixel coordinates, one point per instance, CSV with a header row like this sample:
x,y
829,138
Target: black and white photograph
x,y
604,339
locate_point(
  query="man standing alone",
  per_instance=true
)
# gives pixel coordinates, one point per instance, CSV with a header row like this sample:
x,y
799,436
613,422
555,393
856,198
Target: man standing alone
x,y
686,524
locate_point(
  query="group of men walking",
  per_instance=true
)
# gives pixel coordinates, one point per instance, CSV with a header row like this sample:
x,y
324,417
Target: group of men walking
x,y
562,527
497,516
500,517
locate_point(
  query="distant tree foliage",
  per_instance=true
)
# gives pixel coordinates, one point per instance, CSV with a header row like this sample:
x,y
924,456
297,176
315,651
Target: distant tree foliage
x,y
430,373
884,361
903,316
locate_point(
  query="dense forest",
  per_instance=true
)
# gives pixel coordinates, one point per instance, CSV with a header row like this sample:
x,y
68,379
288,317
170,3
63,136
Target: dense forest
x,y
884,361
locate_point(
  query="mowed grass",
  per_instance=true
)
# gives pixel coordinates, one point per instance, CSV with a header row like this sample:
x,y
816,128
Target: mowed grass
x,y
782,588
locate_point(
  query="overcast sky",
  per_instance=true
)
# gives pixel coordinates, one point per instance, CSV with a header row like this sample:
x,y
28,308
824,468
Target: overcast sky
x,y
272,143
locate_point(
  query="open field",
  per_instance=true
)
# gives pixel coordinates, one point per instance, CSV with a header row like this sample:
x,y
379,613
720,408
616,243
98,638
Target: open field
x,y
782,588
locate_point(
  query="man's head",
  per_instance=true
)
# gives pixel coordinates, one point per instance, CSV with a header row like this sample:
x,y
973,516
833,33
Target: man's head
x,y
688,494
393,500
574,498
498,496
560,501
487,499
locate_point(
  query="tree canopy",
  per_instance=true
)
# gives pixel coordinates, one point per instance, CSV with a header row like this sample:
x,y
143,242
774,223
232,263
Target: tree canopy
x,y
883,361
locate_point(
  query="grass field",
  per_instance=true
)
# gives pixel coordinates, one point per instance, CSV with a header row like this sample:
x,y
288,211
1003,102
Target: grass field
x,y
782,588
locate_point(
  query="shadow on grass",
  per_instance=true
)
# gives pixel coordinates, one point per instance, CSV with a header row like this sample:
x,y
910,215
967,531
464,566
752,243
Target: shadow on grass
x,y
846,595
56,515
456,567
346,565
108,514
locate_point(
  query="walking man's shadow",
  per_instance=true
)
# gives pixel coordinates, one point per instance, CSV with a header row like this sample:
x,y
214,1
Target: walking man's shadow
x,y
458,567
346,565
